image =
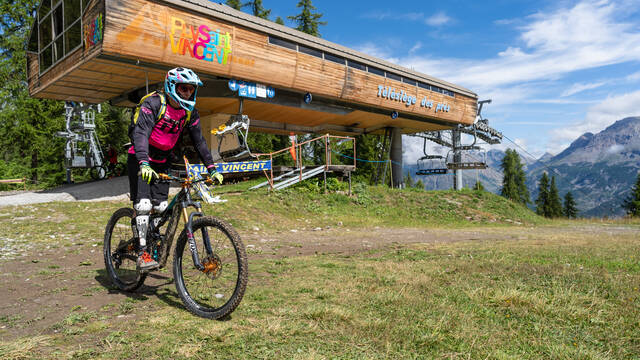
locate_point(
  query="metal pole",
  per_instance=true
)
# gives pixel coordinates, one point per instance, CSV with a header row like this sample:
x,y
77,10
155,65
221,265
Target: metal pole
x,y
457,158
396,158
325,180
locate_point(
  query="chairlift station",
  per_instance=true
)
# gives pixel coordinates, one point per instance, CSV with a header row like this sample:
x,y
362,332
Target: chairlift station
x,y
92,51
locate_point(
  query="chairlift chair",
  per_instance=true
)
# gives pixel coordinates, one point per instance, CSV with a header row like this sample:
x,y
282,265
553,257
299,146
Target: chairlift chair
x,y
232,138
426,164
466,165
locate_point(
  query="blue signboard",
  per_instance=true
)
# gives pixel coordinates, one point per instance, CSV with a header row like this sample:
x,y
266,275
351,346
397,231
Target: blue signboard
x,y
271,92
250,90
233,85
247,89
233,167
244,166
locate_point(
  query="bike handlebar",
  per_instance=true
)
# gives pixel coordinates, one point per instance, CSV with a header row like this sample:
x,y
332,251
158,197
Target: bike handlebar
x,y
166,177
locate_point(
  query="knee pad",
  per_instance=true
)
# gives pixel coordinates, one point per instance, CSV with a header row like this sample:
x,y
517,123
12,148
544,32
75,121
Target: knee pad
x,y
160,208
143,207
142,223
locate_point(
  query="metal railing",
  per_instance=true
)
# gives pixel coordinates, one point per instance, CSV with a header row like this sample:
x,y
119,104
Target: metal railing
x,y
300,166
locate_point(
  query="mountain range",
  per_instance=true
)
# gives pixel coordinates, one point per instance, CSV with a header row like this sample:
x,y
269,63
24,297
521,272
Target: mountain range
x,y
599,169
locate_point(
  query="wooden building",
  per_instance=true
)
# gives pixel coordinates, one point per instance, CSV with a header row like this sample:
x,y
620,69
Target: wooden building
x,y
109,50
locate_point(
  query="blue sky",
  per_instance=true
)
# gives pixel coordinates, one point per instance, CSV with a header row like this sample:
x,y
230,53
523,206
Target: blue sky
x,y
554,69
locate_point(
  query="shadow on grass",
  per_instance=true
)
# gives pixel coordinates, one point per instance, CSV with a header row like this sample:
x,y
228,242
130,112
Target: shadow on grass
x,y
167,294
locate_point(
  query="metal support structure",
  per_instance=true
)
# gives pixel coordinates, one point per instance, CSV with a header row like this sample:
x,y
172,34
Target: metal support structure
x,y
396,158
457,158
82,149
480,130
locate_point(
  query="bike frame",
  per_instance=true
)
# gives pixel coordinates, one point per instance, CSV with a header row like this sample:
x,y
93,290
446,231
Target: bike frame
x,y
177,207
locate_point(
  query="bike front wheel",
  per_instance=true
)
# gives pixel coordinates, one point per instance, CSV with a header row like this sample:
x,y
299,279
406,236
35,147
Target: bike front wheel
x,y
216,291
120,253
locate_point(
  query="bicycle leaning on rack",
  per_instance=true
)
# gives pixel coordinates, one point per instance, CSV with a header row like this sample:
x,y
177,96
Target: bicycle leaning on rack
x,y
212,283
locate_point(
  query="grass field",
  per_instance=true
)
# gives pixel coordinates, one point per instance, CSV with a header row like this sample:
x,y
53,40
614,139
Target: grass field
x,y
559,290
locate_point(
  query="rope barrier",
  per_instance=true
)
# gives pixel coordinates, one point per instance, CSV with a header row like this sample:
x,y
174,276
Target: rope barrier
x,y
366,161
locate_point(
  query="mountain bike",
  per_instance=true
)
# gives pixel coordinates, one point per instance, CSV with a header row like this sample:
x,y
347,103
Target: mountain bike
x,y
213,283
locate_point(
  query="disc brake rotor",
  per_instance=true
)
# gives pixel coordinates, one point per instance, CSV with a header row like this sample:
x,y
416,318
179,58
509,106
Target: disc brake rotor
x,y
212,267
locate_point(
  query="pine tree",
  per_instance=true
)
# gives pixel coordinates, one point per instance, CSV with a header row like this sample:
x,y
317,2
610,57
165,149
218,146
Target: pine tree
x,y
555,205
408,180
513,181
257,9
279,20
419,184
234,4
308,21
569,209
28,147
27,125
632,203
542,202
478,186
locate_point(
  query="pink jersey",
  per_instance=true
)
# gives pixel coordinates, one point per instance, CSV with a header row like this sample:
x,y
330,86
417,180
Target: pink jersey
x,y
154,139
166,132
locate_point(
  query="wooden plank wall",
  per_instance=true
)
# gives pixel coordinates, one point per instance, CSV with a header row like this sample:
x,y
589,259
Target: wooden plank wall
x,y
151,32
41,85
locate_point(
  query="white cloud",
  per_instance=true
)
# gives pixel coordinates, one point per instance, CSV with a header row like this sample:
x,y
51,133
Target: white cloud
x,y
560,101
376,15
615,149
554,43
579,87
437,19
511,52
374,49
505,21
598,117
522,143
557,43
383,15
416,47
633,77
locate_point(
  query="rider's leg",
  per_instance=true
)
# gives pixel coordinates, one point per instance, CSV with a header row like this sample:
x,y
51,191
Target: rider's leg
x,y
140,195
143,208
160,191
159,209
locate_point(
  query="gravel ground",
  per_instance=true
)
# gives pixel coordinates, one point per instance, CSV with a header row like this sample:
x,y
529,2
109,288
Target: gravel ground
x,y
109,189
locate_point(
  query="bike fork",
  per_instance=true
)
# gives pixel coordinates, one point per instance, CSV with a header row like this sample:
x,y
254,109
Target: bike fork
x,y
192,240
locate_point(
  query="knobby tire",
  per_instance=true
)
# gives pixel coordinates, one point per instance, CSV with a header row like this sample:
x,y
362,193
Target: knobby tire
x,y
215,301
118,233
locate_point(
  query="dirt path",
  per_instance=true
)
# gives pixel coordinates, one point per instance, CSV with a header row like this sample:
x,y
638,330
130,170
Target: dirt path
x,y
41,289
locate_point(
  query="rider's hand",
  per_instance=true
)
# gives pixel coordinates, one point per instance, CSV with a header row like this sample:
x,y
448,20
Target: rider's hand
x,y
148,174
214,174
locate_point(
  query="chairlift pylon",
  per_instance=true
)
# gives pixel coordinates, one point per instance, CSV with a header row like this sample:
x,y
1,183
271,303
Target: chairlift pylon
x,y
466,165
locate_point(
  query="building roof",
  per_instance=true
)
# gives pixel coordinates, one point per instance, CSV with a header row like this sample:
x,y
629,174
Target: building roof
x,y
226,13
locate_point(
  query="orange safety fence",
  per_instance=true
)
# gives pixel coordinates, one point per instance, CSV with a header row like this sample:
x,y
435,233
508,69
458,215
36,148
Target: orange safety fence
x,y
15,181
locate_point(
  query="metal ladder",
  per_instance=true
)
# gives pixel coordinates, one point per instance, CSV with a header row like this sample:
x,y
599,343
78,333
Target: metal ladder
x,y
292,177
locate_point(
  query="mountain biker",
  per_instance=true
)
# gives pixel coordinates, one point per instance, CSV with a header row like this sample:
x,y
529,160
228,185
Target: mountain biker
x,y
112,154
154,135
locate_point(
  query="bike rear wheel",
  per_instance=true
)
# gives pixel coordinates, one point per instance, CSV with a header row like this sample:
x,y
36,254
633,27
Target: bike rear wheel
x,y
98,172
120,253
218,290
